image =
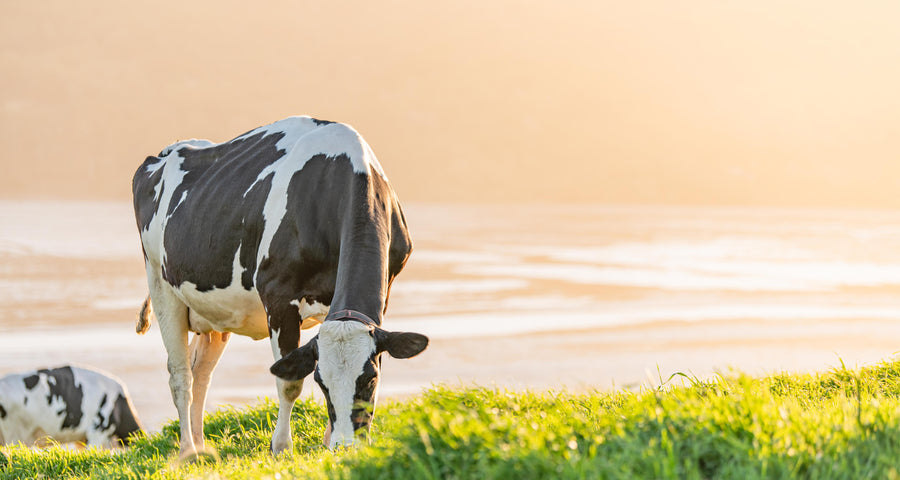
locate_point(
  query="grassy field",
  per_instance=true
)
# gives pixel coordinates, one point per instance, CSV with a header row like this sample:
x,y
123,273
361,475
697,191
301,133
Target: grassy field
x,y
840,424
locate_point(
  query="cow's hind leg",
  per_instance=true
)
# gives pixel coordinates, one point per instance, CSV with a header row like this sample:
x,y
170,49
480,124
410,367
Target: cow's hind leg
x,y
172,316
206,350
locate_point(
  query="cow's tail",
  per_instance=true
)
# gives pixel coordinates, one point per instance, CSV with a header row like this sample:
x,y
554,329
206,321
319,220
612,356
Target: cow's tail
x,y
143,320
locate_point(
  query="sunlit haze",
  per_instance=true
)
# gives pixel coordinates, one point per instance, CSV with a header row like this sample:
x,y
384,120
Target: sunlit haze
x,y
701,102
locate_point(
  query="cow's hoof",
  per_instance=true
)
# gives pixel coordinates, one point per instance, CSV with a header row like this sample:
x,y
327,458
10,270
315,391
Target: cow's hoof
x,y
207,455
281,451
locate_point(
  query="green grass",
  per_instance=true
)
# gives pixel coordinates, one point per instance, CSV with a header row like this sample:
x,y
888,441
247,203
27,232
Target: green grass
x,y
840,424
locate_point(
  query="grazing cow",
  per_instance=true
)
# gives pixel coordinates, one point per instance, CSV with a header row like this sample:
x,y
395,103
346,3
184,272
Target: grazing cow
x,y
66,404
264,235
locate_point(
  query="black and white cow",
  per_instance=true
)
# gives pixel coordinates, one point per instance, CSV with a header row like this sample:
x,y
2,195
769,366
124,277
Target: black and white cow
x,y
66,404
264,235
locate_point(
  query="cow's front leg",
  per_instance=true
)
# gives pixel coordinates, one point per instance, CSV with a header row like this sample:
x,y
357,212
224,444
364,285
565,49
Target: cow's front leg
x,y
288,392
284,334
206,350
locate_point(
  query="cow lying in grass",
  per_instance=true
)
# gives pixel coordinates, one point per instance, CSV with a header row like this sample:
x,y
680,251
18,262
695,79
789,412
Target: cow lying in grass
x,y
66,404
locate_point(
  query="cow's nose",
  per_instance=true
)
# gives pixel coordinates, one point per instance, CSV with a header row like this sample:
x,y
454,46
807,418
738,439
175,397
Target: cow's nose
x,y
338,443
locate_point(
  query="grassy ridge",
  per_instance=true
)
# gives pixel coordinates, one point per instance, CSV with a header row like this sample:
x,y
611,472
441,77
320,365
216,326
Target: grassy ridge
x,y
841,424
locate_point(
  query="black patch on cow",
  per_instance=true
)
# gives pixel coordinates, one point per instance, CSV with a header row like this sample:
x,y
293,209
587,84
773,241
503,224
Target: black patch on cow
x,y
252,227
364,398
146,202
216,164
61,383
328,405
219,213
307,243
31,381
127,424
121,417
337,227
102,423
321,122
2,412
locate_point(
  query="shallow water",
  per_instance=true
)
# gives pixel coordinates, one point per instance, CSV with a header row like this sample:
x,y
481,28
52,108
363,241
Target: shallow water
x,y
519,296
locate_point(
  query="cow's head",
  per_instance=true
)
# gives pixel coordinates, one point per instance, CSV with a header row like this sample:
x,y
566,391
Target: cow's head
x,y
346,358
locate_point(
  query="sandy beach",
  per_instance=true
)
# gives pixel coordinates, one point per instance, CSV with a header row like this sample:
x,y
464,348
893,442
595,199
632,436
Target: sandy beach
x,y
587,298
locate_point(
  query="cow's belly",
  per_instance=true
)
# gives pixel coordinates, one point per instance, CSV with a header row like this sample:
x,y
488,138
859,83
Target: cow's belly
x,y
231,309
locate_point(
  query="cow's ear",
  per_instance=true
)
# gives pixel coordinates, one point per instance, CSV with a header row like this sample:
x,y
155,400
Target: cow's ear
x,y
297,364
400,344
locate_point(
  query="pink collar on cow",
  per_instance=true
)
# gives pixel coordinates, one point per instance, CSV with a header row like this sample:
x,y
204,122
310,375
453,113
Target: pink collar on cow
x,y
352,315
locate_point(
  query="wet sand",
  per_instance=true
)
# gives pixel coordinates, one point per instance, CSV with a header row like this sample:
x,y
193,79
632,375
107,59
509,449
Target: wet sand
x,y
78,305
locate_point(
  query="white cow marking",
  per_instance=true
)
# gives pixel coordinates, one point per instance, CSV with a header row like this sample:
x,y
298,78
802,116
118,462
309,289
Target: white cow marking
x,y
152,236
344,348
153,168
230,309
273,341
310,315
332,139
193,144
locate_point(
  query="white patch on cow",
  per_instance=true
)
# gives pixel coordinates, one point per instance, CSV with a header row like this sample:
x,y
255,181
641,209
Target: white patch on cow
x,y
152,236
310,315
152,168
230,309
331,139
95,386
193,143
273,341
371,160
180,201
344,348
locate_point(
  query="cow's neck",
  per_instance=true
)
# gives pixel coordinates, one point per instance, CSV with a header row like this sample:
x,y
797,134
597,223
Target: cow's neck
x,y
362,280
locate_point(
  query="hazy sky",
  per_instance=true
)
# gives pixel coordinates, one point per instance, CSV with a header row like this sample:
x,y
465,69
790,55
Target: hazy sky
x,y
714,102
